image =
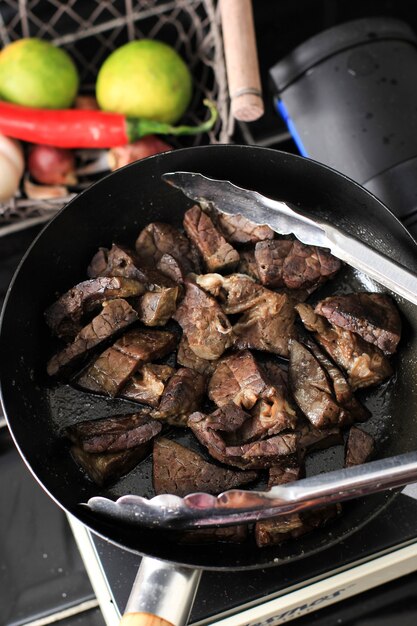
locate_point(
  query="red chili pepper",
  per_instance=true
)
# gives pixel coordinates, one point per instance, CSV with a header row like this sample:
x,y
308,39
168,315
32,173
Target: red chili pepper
x,y
75,128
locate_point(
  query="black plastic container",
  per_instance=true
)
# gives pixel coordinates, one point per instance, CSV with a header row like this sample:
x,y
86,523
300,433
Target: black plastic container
x,y
349,98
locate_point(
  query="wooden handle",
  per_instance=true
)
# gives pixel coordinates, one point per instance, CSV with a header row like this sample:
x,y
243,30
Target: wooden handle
x,y
143,619
241,59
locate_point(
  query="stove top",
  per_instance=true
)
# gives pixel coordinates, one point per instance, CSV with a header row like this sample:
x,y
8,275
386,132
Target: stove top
x,y
388,543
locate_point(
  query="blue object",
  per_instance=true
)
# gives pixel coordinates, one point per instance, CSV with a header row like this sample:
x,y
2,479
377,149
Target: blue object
x,y
291,126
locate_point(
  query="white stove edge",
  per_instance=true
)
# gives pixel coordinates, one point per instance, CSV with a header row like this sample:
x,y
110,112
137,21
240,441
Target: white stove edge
x,y
311,596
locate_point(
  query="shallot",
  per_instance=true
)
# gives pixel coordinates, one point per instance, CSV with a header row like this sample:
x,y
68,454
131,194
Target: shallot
x,y
52,166
147,146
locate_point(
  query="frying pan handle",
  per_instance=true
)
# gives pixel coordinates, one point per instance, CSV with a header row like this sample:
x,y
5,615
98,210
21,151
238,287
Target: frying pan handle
x,y
162,594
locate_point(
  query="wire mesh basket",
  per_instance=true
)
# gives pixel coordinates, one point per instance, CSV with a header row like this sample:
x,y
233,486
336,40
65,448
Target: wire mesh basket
x,y
90,30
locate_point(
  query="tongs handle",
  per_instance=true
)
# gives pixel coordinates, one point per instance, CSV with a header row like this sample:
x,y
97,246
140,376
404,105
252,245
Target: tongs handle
x,y
347,483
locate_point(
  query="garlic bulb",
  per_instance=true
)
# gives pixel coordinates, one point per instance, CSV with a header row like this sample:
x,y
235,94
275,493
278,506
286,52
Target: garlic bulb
x,y
12,166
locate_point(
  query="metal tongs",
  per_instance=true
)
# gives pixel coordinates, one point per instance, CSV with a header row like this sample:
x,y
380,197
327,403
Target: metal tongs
x,y
237,505
285,220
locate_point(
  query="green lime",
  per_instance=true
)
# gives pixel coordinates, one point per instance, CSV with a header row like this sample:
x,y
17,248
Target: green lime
x,y
35,73
145,79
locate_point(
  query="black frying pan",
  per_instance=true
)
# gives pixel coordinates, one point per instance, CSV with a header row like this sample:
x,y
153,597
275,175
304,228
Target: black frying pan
x,y
114,210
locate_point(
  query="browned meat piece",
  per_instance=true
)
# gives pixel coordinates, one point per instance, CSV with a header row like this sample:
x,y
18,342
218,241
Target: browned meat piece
x,y
256,455
171,268
116,315
121,261
360,447
228,419
208,437
113,434
273,411
218,255
312,390
265,453
187,358
290,263
373,316
182,395
118,261
277,529
239,378
231,534
341,388
268,326
247,264
158,304
236,293
148,384
364,363
98,265
155,308
158,239
316,518
269,417
106,468
206,327
282,474
111,370
273,531
238,229
311,438
108,373
65,315
181,471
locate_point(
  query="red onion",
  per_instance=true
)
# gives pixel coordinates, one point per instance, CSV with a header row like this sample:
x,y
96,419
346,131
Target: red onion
x,y
52,166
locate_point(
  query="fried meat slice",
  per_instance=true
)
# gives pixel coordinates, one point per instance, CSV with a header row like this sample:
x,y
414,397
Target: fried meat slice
x,y
364,363
267,326
240,379
235,293
182,396
360,447
106,468
147,384
121,261
278,529
116,315
187,358
311,385
255,455
206,327
110,371
156,307
180,471
373,316
292,264
240,230
217,253
114,434
64,317
158,239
